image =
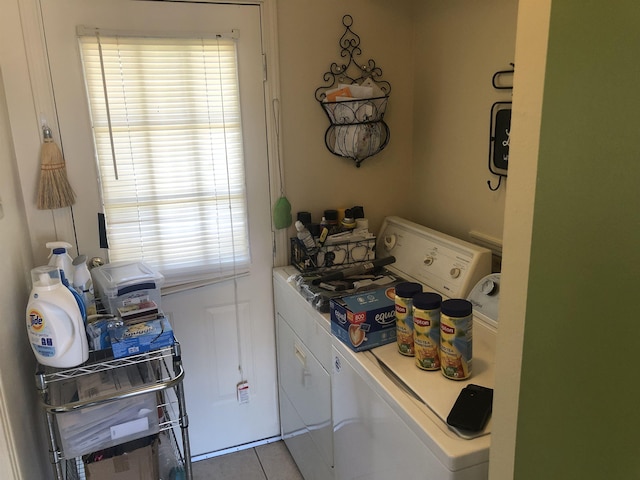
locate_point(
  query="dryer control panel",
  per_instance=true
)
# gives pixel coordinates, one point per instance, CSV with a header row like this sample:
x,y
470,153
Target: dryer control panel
x,y
446,264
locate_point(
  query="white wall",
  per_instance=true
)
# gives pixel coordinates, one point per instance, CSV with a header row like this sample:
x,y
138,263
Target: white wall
x,y
439,56
459,45
18,404
315,179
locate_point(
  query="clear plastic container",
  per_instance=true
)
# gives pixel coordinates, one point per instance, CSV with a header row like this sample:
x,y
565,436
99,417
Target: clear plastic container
x,y
121,283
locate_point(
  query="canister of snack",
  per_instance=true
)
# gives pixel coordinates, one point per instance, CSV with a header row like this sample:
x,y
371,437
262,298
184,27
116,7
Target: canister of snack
x,y
404,316
426,330
456,338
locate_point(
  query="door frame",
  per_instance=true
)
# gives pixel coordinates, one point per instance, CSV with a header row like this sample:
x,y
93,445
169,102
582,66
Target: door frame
x,y
46,225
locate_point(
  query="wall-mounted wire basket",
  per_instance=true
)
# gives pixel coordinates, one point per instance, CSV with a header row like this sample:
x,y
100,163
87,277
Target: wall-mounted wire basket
x,y
352,112
355,100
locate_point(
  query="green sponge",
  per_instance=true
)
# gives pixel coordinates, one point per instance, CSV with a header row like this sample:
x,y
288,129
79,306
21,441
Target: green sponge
x,y
282,213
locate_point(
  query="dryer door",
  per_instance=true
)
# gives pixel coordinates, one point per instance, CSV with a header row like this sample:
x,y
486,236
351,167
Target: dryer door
x,y
305,405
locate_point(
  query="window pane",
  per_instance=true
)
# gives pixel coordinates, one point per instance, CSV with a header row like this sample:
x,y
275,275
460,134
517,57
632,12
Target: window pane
x,y
175,195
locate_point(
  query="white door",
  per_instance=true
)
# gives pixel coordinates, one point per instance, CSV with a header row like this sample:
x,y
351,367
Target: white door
x,y
223,344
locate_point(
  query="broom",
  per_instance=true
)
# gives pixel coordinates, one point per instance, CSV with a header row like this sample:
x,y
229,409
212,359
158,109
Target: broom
x,y
54,190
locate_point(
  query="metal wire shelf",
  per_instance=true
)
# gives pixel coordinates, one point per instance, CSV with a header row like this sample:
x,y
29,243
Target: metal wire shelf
x,y
103,360
161,372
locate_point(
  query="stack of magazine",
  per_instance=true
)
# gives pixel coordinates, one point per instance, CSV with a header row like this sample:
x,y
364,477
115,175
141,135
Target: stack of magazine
x,y
139,312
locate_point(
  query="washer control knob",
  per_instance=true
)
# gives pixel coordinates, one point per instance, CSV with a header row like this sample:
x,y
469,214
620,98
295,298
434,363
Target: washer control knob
x,y
455,272
489,287
428,260
390,241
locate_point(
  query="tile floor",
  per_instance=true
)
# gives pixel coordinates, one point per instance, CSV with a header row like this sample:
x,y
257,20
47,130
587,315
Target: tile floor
x,y
265,462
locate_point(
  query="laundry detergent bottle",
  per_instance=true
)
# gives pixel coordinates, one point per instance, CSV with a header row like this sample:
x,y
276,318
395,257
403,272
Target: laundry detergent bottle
x,y
54,321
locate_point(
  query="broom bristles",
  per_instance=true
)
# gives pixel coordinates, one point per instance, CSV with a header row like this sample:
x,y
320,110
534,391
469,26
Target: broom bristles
x,y
54,190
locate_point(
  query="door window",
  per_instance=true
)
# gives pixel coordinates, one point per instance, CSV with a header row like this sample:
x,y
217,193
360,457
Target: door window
x,y
166,122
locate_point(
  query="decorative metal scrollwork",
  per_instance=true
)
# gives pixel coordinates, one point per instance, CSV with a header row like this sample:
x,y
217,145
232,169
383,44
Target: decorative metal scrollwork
x,y
354,99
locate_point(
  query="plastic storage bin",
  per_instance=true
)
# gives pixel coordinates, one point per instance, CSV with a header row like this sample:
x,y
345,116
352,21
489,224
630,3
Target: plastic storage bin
x,y
94,428
120,283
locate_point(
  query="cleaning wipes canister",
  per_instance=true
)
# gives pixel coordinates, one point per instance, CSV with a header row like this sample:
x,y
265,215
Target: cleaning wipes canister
x,y
54,321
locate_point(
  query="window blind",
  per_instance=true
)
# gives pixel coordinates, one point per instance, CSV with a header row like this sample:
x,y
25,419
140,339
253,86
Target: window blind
x,y
167,129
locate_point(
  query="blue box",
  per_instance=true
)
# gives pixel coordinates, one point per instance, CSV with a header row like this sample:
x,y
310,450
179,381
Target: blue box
x,y
98,334
140,337
365,320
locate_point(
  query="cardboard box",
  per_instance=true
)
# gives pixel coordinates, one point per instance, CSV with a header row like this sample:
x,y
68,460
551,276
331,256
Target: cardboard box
x,y
138,464
140,337
365,320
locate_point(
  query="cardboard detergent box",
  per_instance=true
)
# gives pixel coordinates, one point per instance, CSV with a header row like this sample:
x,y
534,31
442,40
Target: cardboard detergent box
x,y
142,337
365,320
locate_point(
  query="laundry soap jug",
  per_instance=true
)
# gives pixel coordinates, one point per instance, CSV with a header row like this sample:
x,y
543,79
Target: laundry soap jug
x,y
60,257
54,321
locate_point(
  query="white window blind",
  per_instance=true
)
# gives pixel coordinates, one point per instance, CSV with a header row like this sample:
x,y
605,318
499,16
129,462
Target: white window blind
x,y
167,130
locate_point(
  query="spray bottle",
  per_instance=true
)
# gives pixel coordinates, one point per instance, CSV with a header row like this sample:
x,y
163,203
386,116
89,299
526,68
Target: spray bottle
x,y
83,284
54,321
59,256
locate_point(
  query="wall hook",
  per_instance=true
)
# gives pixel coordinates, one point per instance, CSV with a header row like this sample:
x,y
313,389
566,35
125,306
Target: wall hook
x,y
492,188
496,76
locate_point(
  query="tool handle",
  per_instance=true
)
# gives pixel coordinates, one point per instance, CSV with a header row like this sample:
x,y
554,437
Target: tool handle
x,y
357,270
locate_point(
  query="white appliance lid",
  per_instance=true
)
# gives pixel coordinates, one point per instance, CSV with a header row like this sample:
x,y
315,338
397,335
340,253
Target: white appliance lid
x,y
485,297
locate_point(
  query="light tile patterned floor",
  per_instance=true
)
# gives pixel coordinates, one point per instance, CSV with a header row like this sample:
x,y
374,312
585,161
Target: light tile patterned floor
x,y
266,462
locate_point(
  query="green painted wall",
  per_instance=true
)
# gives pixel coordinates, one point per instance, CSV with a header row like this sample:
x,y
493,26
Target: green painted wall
x,y
579,413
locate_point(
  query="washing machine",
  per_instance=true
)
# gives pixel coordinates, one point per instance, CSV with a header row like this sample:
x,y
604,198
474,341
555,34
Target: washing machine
x,y
389,417
374,415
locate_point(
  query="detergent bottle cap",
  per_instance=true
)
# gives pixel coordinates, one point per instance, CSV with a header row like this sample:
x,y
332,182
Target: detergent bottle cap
x,y
79,260
46,276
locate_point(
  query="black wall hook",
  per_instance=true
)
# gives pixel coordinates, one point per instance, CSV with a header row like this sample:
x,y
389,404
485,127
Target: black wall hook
x,y
496,76
492,188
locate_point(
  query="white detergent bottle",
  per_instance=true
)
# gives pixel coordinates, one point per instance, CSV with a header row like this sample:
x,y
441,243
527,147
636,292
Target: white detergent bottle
x,y
54,321
60,257
83,284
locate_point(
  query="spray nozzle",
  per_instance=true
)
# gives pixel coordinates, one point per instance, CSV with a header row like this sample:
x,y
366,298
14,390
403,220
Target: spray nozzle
x,y
58,247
